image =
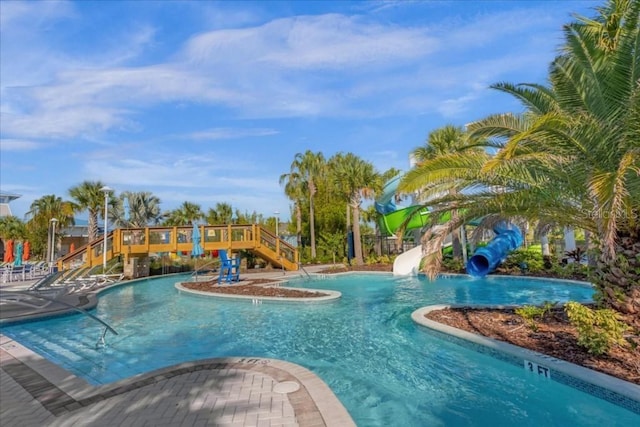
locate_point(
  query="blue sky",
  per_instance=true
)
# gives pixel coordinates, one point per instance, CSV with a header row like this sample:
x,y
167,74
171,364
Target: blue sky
x,y
210,101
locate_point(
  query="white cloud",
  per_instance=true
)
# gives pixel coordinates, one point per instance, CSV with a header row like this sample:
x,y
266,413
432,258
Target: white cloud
x,y
18,145
307,66
230,133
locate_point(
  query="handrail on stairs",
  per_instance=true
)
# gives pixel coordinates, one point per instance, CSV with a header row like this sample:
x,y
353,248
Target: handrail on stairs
x,y
195,272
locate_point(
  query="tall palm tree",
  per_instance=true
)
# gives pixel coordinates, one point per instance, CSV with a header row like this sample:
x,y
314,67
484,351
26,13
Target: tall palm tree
x,y
310,167
185,214
358,179
144,210
587,120
89,197
573,157
294,189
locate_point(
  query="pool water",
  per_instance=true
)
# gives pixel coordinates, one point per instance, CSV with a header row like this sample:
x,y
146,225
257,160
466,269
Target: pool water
x,y
385,369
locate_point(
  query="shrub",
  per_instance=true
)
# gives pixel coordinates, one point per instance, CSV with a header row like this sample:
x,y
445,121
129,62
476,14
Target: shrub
x,y
453,265
598,330
529,257
531,313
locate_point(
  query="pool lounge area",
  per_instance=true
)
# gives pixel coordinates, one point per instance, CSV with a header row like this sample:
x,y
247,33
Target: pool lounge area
x,y
383,367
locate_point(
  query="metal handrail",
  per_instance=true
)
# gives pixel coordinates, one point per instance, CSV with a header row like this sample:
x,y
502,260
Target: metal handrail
x,y
78,309
305,271
195,272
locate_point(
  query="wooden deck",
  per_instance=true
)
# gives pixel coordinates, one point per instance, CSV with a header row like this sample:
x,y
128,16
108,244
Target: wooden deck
x,y
136,242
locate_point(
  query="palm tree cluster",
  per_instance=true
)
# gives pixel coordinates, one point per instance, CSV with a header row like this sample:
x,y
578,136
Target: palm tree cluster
x,y
331,191
143,210
571,158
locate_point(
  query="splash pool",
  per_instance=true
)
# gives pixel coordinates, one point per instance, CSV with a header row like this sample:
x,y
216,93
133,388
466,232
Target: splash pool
x,y
385,369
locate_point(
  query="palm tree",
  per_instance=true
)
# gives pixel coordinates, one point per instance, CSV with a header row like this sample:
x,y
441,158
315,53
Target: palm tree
x,y
185,214
144,210
89,196
294,189
11,227
358,179
588,121
222,214
442,143
573,157
40,213
310,167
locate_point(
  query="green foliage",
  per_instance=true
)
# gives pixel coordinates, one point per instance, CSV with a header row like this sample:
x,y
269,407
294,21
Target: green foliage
x,y
531,313
12,227
373,259
525,258
453,265
598,330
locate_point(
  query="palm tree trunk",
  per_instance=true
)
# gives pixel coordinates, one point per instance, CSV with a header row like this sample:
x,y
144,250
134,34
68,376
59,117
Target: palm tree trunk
x,y
93,226
299,225
618,278
312,230
357,242
455,237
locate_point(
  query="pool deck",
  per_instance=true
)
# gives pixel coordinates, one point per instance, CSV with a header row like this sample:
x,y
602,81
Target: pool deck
x,y
240,391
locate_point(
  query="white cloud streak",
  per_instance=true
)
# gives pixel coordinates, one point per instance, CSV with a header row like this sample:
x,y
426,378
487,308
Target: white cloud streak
x,y
306,66
18,145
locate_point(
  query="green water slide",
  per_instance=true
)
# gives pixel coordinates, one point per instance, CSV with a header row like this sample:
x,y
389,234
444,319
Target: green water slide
x,y
392,217
414,217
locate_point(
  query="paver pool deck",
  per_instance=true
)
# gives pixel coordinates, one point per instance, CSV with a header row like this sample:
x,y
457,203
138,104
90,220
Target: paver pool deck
x,y
239,391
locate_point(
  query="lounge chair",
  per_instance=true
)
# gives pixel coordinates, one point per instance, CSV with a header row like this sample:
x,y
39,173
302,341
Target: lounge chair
x,y
229,268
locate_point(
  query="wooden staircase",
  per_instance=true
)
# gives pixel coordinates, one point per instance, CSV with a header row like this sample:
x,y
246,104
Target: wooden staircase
x,y
137,242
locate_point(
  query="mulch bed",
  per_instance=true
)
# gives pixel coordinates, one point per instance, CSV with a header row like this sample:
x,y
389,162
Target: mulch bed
x,y
366,267
555,337
255,287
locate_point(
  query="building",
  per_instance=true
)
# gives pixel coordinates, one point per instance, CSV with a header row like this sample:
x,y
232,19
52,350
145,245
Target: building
x,y
5,199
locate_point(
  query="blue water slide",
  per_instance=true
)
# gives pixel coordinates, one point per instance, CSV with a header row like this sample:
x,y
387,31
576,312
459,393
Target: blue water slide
x,y
486,259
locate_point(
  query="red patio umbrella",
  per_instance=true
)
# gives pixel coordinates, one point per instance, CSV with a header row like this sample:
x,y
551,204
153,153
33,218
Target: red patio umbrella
x,y
27,251
8,251
72,247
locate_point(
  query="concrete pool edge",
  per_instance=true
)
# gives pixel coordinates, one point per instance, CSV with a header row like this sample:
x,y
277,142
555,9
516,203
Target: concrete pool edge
x,y
314,403
625,394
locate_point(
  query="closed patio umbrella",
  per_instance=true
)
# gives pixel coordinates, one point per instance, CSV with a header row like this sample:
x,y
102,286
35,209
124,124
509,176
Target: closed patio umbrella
x,y
72,247
127,209
19,251
27,251
196,250
8,251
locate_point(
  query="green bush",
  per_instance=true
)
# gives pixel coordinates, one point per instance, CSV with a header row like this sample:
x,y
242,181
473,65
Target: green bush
x,y
526,259
531,314
453,265
598,330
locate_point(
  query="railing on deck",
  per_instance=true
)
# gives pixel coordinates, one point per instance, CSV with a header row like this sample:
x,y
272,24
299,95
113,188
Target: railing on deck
x,y
140,241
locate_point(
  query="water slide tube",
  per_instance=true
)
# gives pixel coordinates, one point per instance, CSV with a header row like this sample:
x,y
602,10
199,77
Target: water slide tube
x,y
486,258
393,217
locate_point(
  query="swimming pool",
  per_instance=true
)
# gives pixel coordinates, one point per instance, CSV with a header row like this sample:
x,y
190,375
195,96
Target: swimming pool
x,y
386,370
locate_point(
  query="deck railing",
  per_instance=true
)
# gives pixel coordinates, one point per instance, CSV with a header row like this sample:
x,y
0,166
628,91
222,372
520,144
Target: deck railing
x,y
143,241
